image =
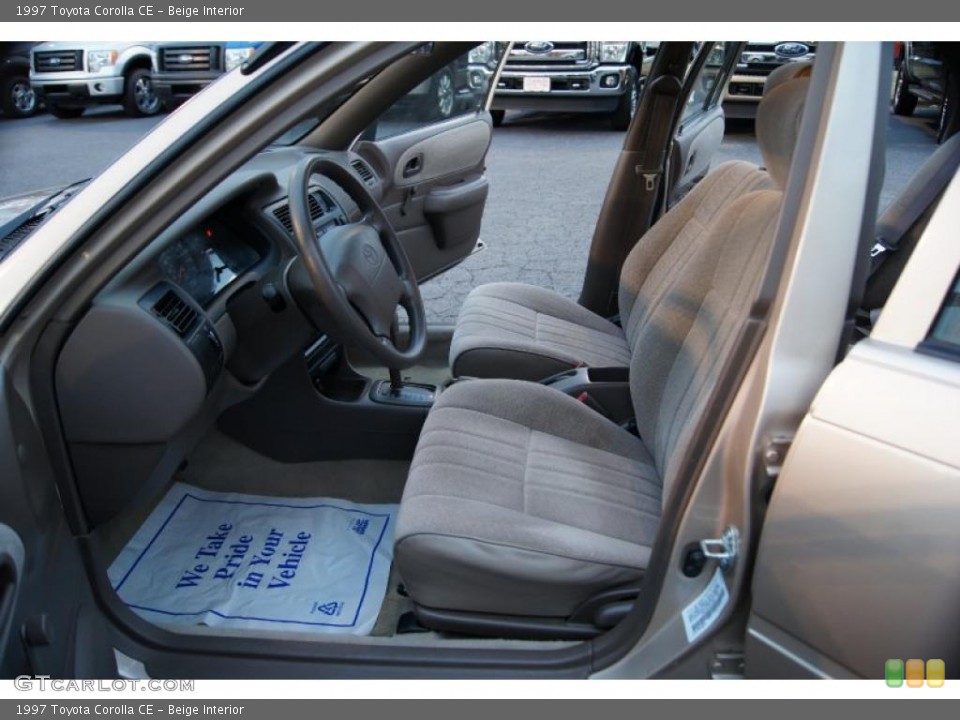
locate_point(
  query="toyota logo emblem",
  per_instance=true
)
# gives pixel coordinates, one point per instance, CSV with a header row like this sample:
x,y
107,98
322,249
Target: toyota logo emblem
x,y
538,46
791,49
370,254
185,58
55,61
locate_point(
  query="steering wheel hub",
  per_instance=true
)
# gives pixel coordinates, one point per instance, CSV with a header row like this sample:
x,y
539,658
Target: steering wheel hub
x,y
360,271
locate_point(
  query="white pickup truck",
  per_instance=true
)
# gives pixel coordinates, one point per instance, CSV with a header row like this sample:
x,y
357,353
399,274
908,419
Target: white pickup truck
x,y
71,76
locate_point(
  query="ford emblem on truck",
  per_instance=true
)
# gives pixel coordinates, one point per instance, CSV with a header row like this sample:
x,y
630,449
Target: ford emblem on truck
x,y
538,46
791,49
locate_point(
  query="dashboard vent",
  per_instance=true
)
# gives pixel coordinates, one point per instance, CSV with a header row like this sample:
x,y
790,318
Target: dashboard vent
x,y
363,170
175,312
320,205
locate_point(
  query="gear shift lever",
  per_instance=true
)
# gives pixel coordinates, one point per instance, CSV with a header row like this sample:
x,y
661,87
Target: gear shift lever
x,y
396,379
396,382
397,392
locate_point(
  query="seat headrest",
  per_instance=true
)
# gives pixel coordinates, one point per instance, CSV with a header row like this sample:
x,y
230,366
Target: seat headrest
x,y
778,118
789,71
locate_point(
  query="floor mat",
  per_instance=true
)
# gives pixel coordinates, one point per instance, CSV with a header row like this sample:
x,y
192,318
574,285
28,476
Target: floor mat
x,y
248,561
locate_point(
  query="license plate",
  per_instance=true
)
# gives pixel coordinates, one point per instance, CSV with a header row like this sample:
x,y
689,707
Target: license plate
x,y
536,84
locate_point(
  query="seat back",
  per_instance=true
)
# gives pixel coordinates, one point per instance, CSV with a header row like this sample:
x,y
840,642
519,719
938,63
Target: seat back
x,y
686,299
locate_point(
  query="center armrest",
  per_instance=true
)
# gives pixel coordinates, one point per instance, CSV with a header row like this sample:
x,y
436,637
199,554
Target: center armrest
x,y
605,389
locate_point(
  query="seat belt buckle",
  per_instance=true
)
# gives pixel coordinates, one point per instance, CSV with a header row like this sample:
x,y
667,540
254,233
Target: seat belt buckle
x,y
588,400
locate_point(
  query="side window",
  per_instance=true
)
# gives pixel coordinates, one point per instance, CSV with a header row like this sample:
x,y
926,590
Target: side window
x,y
708,85
944,336
458,88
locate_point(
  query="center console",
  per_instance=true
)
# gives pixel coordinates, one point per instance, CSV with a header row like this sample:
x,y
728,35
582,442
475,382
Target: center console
x,y
605,389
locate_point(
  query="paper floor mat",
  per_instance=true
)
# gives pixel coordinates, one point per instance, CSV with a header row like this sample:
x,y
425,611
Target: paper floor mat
x,y
245,561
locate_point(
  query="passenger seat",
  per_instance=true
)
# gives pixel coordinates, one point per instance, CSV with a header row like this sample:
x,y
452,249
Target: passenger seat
x,y
524,332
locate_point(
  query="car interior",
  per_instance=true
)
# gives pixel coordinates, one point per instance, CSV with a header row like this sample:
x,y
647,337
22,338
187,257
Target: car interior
x,y
272,342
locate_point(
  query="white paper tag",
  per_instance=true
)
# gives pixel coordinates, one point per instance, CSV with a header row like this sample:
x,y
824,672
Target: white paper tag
x,y
699,615
308,564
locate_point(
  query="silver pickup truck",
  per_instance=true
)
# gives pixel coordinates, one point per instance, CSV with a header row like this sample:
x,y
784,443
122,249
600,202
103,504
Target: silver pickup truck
x,y
577,76
71,76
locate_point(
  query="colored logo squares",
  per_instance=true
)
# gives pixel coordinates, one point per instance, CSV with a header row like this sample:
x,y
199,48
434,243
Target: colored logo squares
x,y
913,672
893,671
936,673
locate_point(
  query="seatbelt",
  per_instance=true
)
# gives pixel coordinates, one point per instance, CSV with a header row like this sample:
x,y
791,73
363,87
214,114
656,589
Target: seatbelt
x,y
907,209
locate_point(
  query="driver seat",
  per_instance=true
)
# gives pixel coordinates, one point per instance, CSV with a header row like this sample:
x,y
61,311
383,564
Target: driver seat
x,y
523,505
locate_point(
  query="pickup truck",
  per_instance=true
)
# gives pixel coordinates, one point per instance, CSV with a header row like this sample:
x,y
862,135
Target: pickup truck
x,y
17,98
182,69
579,76
757,61
922,76
71,76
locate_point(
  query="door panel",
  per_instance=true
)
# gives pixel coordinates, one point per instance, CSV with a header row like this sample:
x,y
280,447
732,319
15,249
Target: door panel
x,y
434,189
430,151
857,559
45,600
442,154
700,130
693,151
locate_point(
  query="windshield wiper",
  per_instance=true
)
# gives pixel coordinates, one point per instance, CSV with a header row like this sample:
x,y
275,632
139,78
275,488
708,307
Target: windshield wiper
x,y
21,226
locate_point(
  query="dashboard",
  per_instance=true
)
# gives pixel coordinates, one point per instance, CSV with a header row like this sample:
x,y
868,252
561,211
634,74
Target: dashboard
x,y
207,260
209,293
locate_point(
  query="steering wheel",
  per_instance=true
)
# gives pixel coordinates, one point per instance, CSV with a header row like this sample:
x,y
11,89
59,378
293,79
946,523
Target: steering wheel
x,y
359,271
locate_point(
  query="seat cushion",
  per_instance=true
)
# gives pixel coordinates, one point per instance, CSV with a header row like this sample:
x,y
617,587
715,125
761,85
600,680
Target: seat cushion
x,y
523,501
512,330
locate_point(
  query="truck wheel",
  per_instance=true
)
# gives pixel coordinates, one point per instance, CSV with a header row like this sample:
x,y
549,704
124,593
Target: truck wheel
x,y
904,102
627,107
19,99
139,99
65,112
444,94
497,116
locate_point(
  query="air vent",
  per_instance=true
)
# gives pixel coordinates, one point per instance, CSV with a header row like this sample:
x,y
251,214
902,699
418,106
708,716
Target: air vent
x,y
317,210
8,243
320,205
175,312
365,173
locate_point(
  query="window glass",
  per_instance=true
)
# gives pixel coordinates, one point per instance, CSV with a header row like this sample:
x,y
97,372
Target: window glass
x,y
705,90
946,328
458,88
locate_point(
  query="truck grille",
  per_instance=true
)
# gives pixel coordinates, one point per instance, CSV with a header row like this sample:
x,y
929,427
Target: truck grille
x,y
190,58
530,54
761,59
57,60
759,69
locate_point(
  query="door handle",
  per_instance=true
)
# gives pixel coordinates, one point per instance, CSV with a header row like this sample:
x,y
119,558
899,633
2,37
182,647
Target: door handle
x,y
413,166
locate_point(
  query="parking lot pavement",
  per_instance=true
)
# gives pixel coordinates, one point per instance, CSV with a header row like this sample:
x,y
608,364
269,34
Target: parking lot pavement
x,y
548,175
43,151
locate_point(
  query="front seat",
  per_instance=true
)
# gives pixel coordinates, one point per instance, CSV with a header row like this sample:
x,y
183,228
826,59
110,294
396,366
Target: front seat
x,y
514,330
523,505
